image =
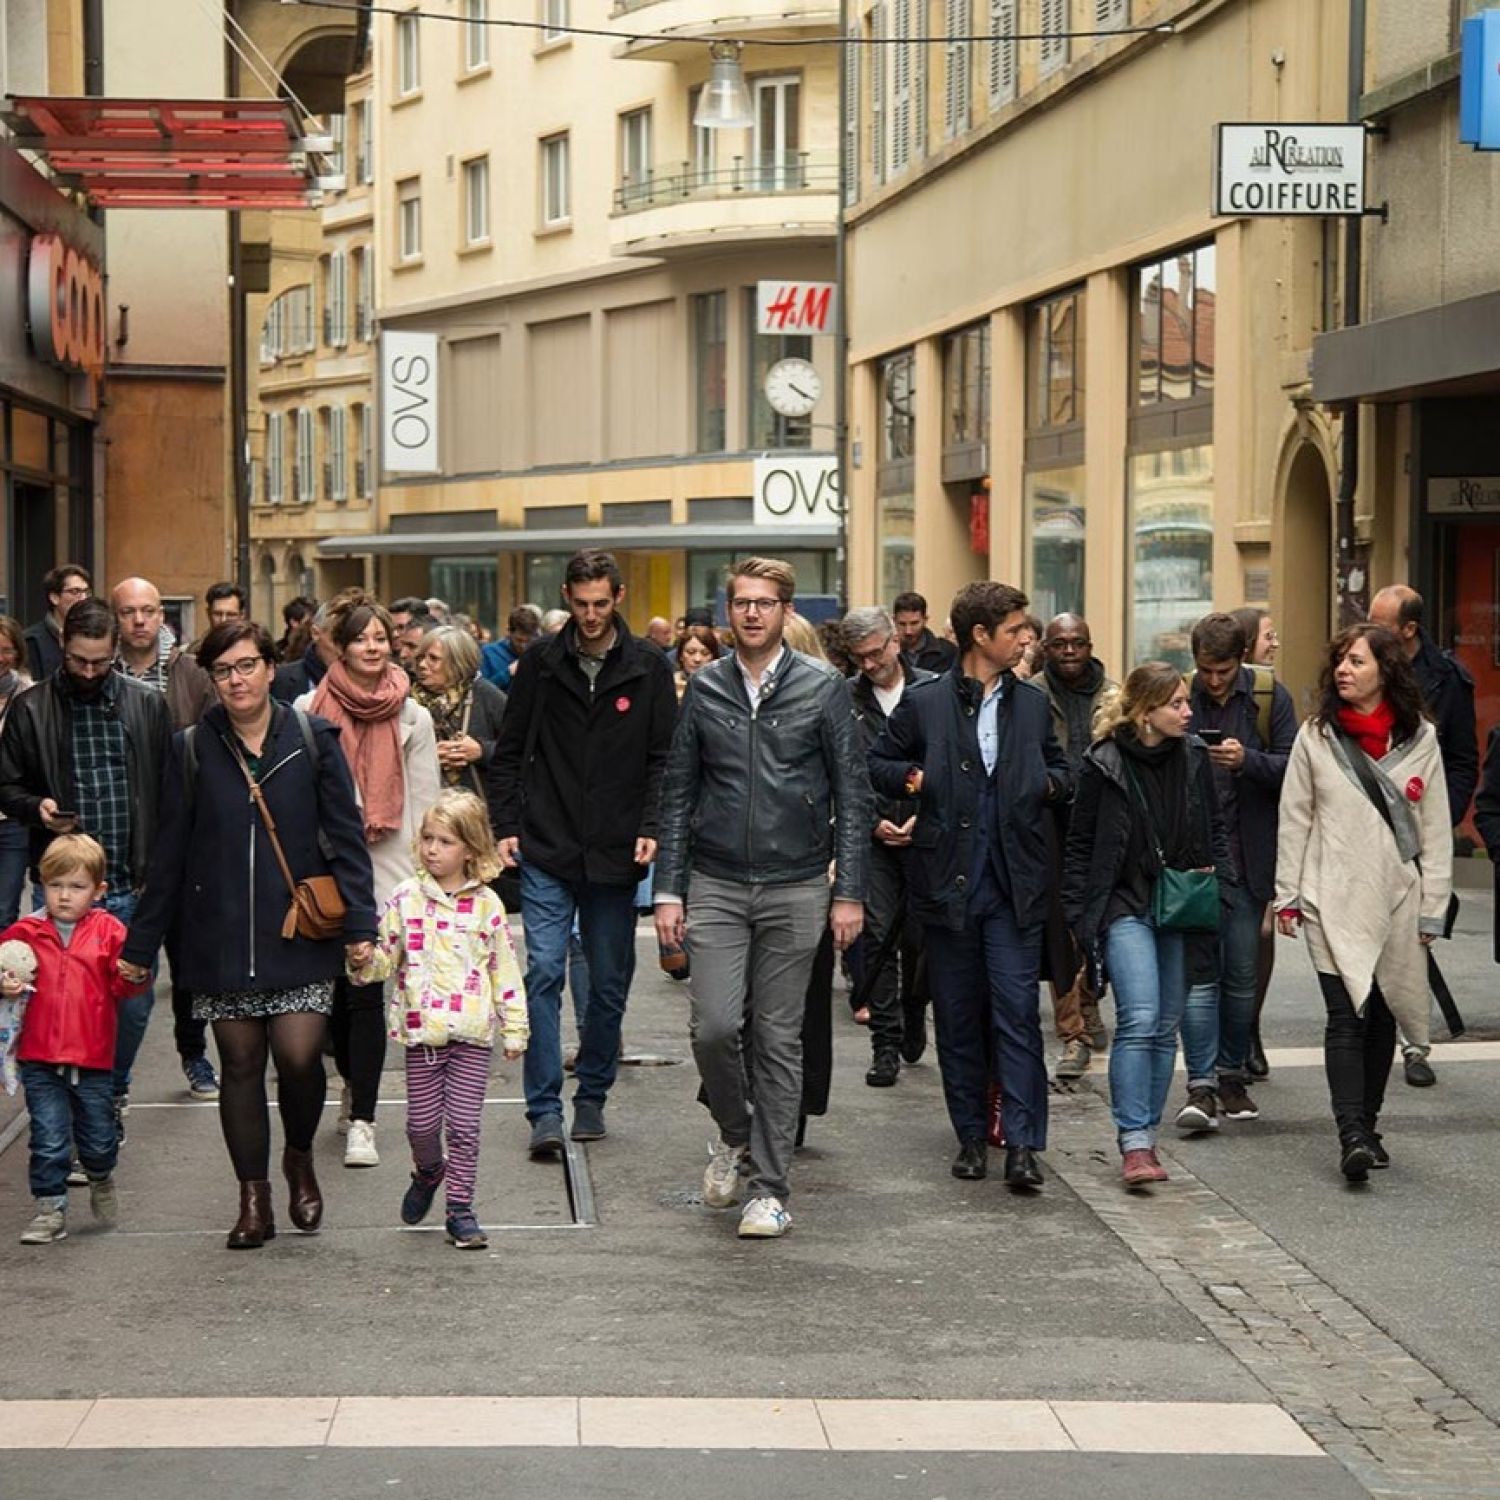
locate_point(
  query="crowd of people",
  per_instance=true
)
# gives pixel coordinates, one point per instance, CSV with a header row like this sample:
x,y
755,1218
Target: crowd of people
x,y
324,834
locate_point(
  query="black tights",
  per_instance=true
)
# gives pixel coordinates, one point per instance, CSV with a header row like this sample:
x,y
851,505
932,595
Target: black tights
x,y
358,1028
295,1041
1357,1053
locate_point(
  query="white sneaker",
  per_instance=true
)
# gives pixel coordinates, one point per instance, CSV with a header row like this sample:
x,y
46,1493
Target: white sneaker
x,y
344,1111
721,1178
359,1148
104,1200
764,1219
48,1225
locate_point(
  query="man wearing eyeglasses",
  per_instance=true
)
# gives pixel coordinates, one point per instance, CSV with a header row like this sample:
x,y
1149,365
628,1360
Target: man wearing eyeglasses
x,y
892,984
765,786
82,752
1074,680
64,586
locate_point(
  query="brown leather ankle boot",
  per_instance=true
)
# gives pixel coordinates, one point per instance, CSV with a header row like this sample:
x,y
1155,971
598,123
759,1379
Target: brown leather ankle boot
x,y
255,1224
306,1205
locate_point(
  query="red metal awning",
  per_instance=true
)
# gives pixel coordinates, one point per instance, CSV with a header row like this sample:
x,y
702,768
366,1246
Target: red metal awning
x,y
174,153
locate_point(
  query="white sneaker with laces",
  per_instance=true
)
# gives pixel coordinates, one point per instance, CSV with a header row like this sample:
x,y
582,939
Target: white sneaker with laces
x,y
359,1147
47,1226
721,1178
764,1219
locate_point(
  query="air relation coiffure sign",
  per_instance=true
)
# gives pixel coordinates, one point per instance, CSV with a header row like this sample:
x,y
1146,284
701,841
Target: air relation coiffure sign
x,y
1298,171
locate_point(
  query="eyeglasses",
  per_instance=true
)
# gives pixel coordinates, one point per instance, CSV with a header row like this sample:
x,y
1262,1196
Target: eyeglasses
x,y
88,666
77,591
1062,646
245,667
755,606
869,658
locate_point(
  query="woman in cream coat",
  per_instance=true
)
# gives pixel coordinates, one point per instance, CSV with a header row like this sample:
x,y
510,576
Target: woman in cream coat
x,y
1368,888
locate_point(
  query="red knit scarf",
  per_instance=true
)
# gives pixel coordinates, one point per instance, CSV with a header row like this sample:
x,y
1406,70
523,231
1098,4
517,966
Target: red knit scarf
x,y
1371,731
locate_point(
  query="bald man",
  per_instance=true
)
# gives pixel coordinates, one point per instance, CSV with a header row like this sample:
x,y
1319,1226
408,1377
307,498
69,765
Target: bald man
x,y
149,653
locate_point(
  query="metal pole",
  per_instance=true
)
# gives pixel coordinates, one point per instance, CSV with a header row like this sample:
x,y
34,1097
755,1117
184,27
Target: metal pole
x,y
841,318
239,416
1353,584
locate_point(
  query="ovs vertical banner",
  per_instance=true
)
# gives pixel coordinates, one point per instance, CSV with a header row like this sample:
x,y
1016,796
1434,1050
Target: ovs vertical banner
x,y
409,403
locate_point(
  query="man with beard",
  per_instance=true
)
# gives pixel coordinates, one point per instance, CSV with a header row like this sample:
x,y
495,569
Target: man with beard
x,y
82,752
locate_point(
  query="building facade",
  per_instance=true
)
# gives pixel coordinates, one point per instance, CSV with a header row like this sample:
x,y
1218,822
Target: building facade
x,y
588,261
1065,370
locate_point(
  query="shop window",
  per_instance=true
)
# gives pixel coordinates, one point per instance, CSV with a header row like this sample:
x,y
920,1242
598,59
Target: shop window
x,y
895,475
966,396
1171,498
1176,306
710,367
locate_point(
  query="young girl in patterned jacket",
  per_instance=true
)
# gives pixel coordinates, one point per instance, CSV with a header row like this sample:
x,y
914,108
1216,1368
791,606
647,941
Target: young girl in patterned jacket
x,y
444,936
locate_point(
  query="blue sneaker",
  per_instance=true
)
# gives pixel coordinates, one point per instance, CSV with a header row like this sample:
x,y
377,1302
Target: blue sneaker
x,y
417,1199
463,1228
202,1081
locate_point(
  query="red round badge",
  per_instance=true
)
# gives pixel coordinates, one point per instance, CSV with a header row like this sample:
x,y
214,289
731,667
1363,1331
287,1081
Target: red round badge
x,y
1414,789
622,706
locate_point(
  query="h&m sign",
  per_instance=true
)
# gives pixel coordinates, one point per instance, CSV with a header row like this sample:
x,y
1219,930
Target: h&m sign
x,y
800,491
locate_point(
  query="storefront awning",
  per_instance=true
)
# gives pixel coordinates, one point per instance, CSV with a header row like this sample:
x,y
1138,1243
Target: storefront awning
x,y
700,537
174,153
1439,350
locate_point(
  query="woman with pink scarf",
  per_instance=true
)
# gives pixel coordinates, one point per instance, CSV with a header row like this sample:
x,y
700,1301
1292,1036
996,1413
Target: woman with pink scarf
x,y
391,748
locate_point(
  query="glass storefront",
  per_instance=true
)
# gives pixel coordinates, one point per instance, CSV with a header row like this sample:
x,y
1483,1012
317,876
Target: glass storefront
x,y
895,475
1171,498
468,584
1055,535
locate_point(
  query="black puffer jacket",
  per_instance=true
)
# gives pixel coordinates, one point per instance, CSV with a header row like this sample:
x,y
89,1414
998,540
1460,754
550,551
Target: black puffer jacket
x,y
766,797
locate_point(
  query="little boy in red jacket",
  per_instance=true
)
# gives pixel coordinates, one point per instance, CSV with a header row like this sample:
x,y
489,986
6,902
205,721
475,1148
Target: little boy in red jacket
x,y
66,1049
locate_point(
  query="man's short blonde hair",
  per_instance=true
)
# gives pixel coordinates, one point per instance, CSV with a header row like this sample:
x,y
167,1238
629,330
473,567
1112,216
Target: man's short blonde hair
x,y
772,569
70,852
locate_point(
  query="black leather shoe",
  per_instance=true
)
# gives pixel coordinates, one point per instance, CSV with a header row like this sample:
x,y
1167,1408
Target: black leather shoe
x,y
1022,1169
1255,1060
1418,1071
886,1070
972,1161
1356,1160
913,1031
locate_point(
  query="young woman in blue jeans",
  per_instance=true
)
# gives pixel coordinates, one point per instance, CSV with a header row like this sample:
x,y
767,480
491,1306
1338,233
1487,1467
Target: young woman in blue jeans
x,y
1146,785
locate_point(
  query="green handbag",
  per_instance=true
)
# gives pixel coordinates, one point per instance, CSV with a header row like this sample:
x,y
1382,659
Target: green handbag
x,y
1181,900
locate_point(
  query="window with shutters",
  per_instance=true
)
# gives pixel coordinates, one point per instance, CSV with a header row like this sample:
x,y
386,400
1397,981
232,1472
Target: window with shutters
x,y
850,184
1053,46
275,471
919,51
305,477
364,147
901,86
879,108
1111,15
336,446
1002,56
959,18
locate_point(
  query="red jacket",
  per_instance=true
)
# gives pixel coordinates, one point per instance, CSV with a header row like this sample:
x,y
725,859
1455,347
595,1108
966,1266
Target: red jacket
x,y
71,1016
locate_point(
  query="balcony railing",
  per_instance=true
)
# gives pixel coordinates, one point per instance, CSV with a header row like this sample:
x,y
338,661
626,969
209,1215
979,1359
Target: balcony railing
x,y
745,176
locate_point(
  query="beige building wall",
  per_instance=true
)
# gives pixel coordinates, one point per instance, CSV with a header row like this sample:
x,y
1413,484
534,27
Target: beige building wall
x,y
1101,165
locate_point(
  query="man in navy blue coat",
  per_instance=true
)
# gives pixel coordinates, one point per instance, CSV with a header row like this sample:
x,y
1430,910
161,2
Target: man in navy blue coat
x,y
976,747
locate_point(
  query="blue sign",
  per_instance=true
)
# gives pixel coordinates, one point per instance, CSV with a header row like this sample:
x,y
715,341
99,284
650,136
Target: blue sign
x,y
1479,82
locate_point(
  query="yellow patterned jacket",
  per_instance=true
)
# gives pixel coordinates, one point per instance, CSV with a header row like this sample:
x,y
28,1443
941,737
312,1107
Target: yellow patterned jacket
x,y
457,978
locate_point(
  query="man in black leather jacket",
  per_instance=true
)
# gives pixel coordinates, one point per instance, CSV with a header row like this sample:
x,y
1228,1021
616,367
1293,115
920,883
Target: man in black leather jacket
x,y
976,747
765,785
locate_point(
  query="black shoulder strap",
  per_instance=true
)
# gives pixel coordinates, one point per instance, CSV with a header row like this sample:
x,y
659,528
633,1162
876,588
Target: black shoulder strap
x,y
189,765
309,739
1360,764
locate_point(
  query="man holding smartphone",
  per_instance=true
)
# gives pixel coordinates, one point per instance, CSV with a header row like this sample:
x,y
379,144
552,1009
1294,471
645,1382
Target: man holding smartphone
x,y
893,984
1249,740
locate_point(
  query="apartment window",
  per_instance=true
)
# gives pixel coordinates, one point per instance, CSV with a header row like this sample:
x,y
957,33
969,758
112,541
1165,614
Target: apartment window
x,y
959,16
336,156
776,143
1054,510
850,185
901,61
364,144
703,145
710,370
554,19
879,90
1053,47
409,219
1002,63
336,453
289,325
1111,15
1170,470
336,299
476,34
364,459
556,204
305,475
275,467
768,428
635,156
895,475
364,306
272,333
477,201
408,54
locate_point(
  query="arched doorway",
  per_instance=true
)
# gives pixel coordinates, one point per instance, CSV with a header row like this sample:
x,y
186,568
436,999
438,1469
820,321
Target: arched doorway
x,y
1305,609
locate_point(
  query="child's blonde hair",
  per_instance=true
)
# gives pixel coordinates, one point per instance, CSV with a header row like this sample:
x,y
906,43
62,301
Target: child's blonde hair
x,y
69,852
465,816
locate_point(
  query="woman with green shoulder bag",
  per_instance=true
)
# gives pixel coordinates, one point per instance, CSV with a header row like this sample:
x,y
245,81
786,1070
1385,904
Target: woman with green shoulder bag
x,y
1147,852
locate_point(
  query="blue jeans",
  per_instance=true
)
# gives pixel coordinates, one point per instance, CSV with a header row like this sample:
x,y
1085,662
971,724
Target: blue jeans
x,y
68,1107
1148,977
1217,1020
606,925
15,844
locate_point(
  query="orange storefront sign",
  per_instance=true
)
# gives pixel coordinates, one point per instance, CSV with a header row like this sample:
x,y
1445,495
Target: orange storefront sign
x,y
65,304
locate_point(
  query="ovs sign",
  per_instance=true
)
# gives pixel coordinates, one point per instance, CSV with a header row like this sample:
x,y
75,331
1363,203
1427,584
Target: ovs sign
x,y
65,305
801,491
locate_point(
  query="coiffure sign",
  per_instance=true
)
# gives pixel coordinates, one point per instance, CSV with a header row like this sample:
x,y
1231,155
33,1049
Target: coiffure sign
x,y
1296,171
65,306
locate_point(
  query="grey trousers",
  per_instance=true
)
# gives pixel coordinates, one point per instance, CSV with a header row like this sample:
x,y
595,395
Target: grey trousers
x,y
752,950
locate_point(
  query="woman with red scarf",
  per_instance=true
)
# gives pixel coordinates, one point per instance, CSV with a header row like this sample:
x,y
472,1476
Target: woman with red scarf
x,y
391,748
1363,866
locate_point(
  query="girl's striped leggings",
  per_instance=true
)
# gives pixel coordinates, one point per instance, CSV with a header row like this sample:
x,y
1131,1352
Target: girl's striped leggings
x,y
445,1089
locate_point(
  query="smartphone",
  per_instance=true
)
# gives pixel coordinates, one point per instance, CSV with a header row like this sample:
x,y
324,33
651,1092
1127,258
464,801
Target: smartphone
x,y
59,815
1211,736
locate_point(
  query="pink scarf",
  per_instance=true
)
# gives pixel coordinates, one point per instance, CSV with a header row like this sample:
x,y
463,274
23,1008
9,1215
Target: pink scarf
x,y
369,725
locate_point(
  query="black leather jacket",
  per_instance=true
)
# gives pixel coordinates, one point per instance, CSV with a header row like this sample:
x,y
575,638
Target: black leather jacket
x,y
770,796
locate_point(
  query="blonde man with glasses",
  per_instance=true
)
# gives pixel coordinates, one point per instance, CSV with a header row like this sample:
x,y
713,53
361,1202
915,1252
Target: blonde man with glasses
x,y
765,786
